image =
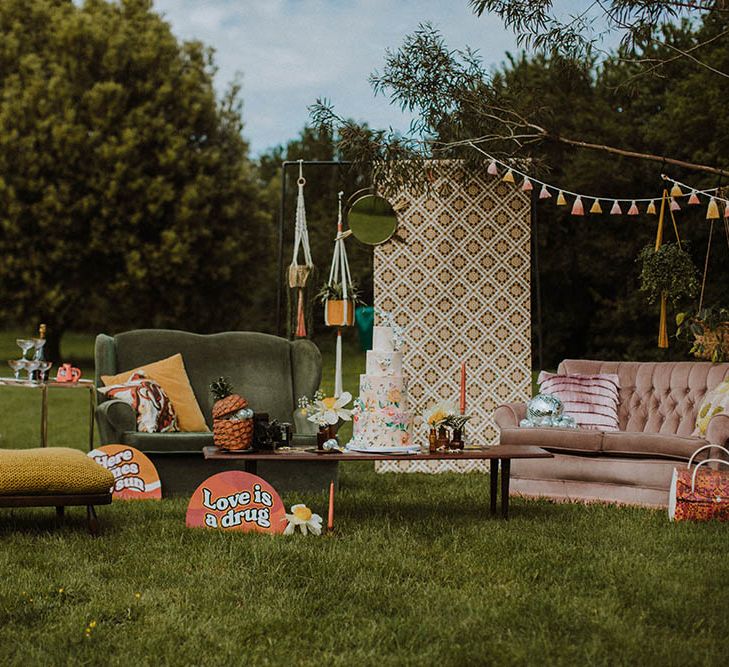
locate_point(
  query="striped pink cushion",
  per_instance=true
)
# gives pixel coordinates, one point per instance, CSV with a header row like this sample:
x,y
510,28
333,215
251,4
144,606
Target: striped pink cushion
x,y
591,399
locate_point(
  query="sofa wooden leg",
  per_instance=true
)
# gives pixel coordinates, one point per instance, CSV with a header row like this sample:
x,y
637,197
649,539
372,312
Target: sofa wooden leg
x,y
92,520
494,482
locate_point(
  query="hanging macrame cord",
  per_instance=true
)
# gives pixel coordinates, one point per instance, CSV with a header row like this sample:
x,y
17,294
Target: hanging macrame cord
x,y
299,273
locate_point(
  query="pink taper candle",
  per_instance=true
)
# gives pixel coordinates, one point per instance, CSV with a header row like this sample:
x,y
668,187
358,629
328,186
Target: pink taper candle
x,y
463,388
330,519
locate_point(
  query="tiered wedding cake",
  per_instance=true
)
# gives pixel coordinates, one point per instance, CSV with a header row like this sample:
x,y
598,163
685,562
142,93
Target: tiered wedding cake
x,y
381,418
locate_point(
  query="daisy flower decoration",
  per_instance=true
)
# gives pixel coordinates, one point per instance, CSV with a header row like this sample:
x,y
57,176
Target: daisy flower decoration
x,y
438,414
328,411
305,519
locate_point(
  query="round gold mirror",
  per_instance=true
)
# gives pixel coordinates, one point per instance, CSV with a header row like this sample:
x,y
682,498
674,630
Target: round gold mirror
x,y
371,219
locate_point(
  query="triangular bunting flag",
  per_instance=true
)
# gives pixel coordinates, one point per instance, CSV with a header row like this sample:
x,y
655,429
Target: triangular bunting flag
x,y
712,213
633,210
561,201
577,207
694,198
526,186
544,193
726,210
676,191
674,205
508,177
616,210
651,210
596,208
493,170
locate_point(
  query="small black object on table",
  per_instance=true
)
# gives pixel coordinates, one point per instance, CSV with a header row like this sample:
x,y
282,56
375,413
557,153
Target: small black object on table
x,y
499,456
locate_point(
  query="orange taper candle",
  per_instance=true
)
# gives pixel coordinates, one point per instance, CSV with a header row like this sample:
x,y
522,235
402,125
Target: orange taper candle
x,y
463,388
330,519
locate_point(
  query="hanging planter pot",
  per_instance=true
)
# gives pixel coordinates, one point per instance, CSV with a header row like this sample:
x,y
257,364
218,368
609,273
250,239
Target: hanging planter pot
x,y
708,331
339,312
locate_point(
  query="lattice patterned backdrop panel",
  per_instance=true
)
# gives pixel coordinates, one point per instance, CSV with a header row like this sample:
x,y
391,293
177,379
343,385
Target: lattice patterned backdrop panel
x,y
458,281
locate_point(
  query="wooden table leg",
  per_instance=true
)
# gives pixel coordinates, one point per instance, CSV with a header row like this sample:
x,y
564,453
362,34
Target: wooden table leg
x,y
60,513
92,520
44,416
494,474
505,473
91,418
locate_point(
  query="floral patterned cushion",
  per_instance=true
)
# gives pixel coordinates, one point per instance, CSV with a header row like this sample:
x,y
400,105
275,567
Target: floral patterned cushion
x,y
155,412
715,402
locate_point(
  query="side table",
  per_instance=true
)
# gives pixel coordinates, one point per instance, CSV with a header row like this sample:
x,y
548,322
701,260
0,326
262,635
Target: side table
x,y
44,387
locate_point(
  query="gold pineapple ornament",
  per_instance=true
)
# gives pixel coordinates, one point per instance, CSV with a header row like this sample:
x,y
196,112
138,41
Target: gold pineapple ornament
x,y
232,418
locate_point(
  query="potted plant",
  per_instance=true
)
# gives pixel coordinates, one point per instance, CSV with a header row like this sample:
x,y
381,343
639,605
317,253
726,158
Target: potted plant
x,y
708,331
667,275
338,311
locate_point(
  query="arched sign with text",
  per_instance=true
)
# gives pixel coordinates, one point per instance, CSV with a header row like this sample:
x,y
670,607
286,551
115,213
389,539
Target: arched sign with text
x,y
235,500
135,477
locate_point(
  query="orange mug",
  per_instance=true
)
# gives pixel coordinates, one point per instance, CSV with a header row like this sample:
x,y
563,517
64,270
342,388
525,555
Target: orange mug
x,y
68,373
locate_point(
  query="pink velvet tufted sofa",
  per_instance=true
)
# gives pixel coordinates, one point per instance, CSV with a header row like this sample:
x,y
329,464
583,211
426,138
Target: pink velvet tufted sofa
x,y
657,413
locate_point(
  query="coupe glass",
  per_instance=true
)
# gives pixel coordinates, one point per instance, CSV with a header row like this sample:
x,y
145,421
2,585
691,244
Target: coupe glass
x,y
44,366
25,344
38,343
17,365
31,365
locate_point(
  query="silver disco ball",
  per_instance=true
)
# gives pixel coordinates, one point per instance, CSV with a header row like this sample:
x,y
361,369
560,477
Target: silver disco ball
x,y
544,410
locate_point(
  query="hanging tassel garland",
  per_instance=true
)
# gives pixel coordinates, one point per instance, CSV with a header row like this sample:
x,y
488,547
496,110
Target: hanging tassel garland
x,y
676,191
596,208
674,205
508,177
577,207
693,199
561,201
493,169
633,210
663,327
300,318
616,210
544,193
526,186
726,210
651,210
712,213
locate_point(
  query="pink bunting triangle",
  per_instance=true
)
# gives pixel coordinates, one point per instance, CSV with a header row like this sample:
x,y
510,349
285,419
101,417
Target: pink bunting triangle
x,y
726,210
544,193
577,207
633,210
674,205
616,210
526,186
493,169
693,199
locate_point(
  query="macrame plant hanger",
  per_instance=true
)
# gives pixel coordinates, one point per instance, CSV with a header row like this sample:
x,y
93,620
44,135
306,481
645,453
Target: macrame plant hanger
x,y
663,326
339,274
299,274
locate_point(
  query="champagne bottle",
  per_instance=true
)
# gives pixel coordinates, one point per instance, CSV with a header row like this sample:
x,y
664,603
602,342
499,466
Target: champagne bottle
x,y
40,354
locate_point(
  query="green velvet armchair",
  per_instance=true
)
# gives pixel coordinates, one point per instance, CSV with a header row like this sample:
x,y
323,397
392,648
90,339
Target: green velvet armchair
x,y
271,372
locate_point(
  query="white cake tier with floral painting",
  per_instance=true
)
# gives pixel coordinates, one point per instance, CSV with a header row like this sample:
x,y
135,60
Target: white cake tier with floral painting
x,y
381,418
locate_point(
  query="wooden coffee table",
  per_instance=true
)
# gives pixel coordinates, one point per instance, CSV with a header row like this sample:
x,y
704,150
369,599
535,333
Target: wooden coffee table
x,y
500,457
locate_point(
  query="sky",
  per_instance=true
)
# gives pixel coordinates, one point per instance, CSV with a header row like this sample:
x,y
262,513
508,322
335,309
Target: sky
x,y
291,52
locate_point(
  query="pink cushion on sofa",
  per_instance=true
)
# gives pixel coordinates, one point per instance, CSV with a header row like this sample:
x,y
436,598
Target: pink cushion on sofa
x,y
591,399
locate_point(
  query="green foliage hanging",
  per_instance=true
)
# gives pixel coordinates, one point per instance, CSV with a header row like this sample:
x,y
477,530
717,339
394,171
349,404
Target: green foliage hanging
x,y
668,270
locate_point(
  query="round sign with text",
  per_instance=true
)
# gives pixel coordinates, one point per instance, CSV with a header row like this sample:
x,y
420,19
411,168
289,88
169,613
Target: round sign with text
x,y
135,477
235,500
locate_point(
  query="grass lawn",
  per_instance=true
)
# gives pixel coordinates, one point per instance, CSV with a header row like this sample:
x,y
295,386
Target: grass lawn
x,y
417,573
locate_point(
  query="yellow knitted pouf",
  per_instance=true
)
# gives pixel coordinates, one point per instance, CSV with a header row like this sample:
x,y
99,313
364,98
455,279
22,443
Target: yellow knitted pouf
x,y
51,471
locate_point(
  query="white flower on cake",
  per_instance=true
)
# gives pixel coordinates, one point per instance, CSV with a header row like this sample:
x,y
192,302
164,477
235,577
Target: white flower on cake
x,y
305,519
328,411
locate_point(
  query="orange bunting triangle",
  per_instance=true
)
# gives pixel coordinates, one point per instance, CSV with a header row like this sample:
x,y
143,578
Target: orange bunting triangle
x,y
676,191
577,207
616,210
526,186
561,201
694,199
651,210
712,213
544,193
674,205
508,177
633,210
493,170
596,208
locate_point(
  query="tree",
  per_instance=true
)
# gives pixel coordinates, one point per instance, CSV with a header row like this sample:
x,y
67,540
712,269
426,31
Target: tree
x,y
127,198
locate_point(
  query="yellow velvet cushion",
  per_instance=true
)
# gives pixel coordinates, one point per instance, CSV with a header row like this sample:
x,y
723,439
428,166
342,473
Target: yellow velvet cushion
x,y
171,375
50,471
715,402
